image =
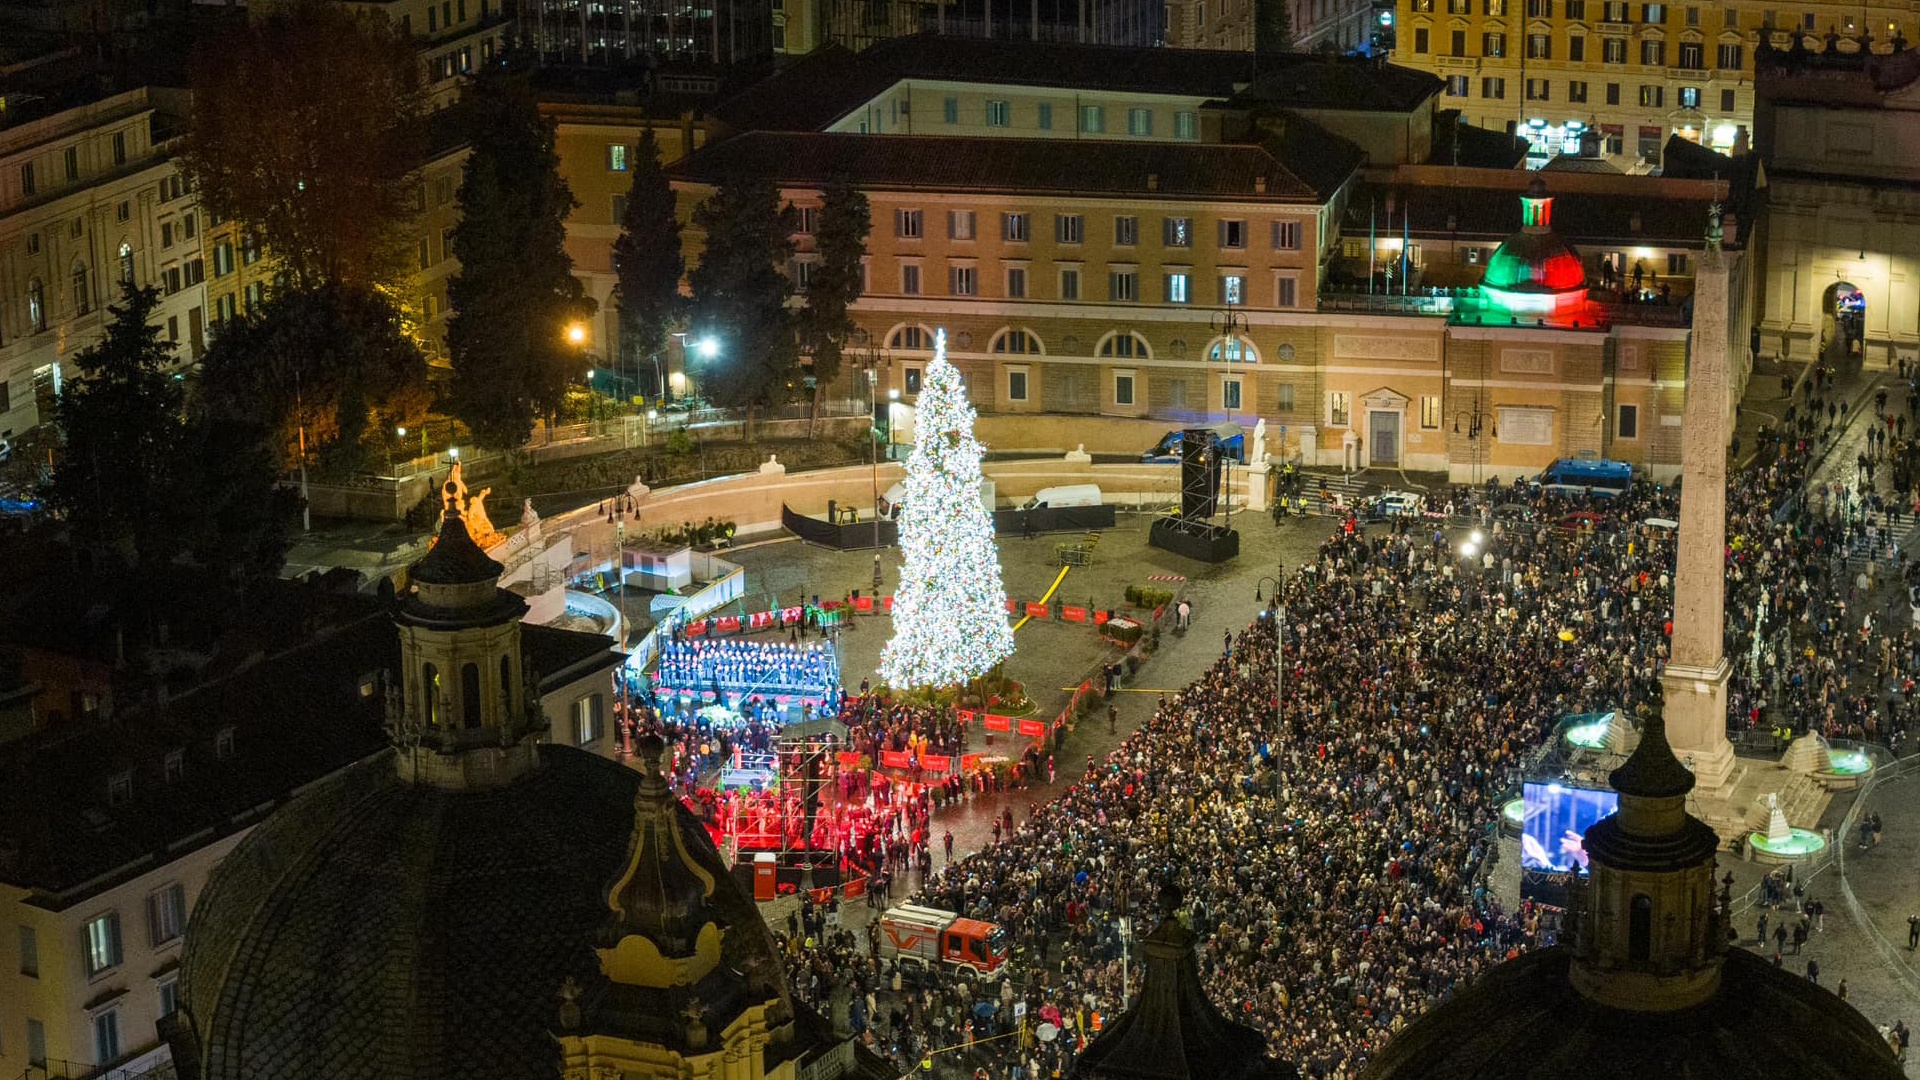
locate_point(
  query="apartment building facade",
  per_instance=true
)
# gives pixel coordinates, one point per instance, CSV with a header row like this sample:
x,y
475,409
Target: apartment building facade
x,y
1318,25
90,200
1635,72
1841,235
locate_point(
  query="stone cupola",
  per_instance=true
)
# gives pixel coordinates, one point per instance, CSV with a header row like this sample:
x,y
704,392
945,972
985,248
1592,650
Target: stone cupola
x,y
466,716
688,972
1649,934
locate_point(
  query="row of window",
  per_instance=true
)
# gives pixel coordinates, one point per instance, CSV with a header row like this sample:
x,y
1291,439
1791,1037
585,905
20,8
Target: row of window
x,y
997,112
449,14
1689,56
1123,285
1622,13
32,177
1017,227
1652,95
1121,344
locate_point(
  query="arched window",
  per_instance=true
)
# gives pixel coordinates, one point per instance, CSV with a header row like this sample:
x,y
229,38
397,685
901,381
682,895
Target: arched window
x,y
911,337
1128,345
1640,928
430,690
506,683
1016,342
470,695
82,296
36,306
126,265
1233,350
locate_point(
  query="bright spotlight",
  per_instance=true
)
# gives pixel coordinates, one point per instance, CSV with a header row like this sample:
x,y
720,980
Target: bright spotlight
x,y
709,348
577,334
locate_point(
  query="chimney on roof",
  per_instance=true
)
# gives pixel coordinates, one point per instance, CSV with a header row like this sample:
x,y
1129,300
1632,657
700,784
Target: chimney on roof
x,y
1260,184
1153,181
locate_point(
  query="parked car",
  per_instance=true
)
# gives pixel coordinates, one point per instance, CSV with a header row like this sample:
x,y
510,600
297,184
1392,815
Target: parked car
x,y
1395,504
1581,521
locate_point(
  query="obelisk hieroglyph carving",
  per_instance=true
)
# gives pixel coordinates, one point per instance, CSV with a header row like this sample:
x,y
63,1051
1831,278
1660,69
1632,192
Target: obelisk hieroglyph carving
x,y
1695,680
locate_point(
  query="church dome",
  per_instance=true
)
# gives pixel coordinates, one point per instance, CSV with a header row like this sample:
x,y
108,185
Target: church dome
x,y
1646,986
380,928
377,927
1535,261
1525,1021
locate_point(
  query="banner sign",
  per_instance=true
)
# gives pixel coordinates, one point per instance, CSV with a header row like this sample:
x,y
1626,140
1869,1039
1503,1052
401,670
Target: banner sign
x,y
1074,614
936,763
896,759
963,715
970,762
1033,728
996,722
848,759
1036,610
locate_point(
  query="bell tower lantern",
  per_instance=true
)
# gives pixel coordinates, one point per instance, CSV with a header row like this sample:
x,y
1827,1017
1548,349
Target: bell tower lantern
x,y
467,715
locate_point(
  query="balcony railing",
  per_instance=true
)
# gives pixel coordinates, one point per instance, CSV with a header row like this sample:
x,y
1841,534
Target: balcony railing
x,y
1418,301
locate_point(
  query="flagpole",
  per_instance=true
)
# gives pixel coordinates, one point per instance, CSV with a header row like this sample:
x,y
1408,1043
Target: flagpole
x,y
1406,239
1373,223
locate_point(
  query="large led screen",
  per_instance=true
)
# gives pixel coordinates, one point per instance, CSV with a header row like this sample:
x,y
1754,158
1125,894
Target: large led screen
x,y
1557,819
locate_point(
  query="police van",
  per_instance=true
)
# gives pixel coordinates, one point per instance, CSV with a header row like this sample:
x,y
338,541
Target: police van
x,y
1597,477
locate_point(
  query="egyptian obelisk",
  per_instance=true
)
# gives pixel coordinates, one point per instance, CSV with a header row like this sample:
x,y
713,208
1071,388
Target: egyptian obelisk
x,y
1695,680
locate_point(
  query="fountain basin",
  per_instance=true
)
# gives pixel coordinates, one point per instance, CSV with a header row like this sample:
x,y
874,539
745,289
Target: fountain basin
x,y
1848,769
1797,844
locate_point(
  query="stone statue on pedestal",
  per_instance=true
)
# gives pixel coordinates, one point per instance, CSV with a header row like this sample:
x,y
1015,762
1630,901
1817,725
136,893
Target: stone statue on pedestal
x,y
1259,443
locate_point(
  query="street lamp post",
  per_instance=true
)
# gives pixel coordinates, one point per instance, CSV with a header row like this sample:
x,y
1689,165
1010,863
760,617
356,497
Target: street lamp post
x,y
861,335
1476,421
1278,578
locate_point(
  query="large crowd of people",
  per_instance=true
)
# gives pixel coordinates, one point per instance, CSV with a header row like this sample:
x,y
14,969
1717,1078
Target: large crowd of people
x,y
1334,860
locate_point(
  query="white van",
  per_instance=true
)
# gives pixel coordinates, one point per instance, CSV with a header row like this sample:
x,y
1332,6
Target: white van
x,y
1063,496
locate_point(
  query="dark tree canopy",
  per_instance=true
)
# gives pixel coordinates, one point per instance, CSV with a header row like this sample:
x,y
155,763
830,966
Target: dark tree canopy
x,y
147,473
648,261
306,126
515,295
119,476
1272,26
841,241
740,293
337,358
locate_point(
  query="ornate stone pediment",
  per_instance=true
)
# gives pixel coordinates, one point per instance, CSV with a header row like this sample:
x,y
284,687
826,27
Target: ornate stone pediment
x,y
1384,398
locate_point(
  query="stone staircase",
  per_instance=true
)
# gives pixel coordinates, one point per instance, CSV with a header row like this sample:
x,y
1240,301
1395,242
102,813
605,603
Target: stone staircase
x,y
1803,801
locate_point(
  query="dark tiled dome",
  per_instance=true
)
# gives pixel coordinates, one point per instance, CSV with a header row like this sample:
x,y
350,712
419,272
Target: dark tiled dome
x,y
1525,1021
376,928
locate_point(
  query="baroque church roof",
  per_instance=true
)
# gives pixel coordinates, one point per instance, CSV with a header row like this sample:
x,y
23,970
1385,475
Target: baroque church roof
x,y
432,911
1647,987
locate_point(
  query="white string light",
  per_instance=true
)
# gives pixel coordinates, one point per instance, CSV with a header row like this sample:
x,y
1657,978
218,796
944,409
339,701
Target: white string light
x,y
949,614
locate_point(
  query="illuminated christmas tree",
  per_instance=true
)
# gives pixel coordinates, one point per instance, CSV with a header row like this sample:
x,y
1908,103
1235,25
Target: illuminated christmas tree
x,y
949,615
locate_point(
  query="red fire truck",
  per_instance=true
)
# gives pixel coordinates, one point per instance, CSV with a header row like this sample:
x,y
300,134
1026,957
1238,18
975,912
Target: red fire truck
x,y
925,937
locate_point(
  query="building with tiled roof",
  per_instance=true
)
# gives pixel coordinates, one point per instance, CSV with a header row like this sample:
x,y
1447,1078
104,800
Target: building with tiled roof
x,y
1033,167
